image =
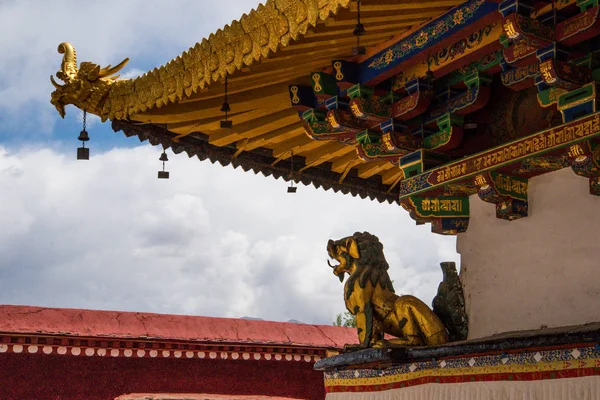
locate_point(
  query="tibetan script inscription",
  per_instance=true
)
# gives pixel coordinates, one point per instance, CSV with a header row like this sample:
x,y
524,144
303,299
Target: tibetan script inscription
x,y
437,205
522,148
577,24
433,207
511,186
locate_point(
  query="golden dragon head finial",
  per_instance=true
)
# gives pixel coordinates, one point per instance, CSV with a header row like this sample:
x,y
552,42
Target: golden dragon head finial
x,y
85,87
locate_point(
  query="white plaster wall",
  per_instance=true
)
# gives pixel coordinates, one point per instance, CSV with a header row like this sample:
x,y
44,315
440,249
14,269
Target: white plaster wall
x,y
542,270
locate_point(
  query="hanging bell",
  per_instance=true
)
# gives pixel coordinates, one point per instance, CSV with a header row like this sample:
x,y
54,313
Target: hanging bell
x,y
359,30
83,153
83,136
225,107
163,174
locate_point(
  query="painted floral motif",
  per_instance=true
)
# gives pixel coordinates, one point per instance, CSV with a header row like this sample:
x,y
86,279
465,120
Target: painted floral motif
x,y
425,36
472,41
458,17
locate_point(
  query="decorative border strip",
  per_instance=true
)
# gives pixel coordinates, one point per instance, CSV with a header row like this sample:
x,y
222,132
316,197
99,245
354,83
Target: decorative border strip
x,y
440,28
508,153
554,363
518,376
114,347
465,49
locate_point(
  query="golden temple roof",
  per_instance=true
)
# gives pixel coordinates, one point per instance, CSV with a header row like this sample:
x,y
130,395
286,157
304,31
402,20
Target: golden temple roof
x,y
278,44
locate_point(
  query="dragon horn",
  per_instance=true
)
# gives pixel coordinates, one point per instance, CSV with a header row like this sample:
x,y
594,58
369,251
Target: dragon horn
x,y
108,71
68,68
56,85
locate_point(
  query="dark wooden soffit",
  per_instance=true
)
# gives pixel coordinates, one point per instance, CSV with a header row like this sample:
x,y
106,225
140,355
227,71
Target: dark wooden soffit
x,y
261,161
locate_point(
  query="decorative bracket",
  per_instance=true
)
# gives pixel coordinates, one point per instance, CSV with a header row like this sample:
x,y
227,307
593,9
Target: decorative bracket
x,y
323,85
364,107
579,102
585,161
517,28
521,77
418,100
448,215
345,73
394,142
474,98
448,136
580,27
555,71
508,193
302,98
318,128
420,161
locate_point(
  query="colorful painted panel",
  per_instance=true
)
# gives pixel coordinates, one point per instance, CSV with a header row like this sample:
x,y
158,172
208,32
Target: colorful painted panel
x,y
471,48
564,75
472,100
521,77
518,27
578,102
578,28
518,54
510,186
517,150
449,24
529,365
428,207
373,112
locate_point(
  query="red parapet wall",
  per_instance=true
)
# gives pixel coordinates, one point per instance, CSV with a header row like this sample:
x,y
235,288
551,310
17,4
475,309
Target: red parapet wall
x,y
52,354
65,377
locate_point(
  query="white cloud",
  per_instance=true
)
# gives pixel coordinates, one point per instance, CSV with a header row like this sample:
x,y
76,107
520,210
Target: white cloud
x,y
210,241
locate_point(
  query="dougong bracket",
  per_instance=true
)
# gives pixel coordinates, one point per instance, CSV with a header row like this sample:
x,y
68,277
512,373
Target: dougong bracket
x,y
508,193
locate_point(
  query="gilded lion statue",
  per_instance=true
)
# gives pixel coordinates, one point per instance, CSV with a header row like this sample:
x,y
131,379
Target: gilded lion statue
x,y
370,297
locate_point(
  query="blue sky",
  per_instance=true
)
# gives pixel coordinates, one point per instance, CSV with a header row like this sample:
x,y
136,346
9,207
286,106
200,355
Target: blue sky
x,y
106,234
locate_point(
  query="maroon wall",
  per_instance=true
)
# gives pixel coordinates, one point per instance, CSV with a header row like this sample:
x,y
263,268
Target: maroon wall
x,y
54,377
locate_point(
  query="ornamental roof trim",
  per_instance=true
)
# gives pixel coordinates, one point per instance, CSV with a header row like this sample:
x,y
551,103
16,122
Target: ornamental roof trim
x,y
239,44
